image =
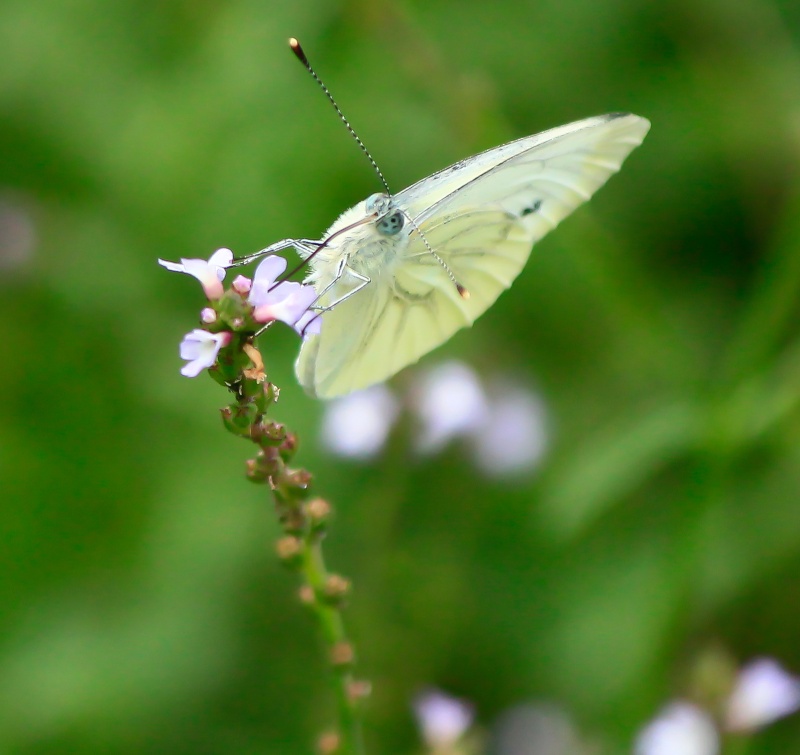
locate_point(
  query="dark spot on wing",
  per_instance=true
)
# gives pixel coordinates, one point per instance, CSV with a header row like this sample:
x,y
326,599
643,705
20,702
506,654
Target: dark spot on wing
x,y
530,210
453,168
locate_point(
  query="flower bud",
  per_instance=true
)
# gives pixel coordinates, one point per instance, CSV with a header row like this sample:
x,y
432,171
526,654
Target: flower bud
x,y
318,511
254,471
293,520
289,550
336,589
342,655
358,689
288,447
238,418
328,743
241,285
268,433
297,478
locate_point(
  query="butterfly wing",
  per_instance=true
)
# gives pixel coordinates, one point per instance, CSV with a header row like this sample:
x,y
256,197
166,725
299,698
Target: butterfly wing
x,y
481,217
397,318
347,350
575,159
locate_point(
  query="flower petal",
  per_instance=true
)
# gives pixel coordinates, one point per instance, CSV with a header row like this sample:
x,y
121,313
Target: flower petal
x,y
268,271
450,403
357,425
221,259
207,275
287,303
764,692
680,729
210,273
174,267
442,719
200,348
309,324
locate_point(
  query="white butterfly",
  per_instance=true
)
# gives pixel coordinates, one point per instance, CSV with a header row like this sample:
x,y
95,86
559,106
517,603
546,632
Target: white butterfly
x,y
398,275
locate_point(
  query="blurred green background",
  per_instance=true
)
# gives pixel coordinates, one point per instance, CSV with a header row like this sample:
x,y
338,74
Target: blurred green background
x,y
142,606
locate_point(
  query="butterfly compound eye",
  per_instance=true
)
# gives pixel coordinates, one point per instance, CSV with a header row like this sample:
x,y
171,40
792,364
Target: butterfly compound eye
x,y
391,224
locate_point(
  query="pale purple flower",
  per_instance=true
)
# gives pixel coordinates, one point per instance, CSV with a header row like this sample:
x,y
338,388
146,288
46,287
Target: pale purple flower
x,y
357,425
764,692
680,729
442,719
200,348
449,402
537,728
210,273
309,324
286,301
17,233
208,315
513,437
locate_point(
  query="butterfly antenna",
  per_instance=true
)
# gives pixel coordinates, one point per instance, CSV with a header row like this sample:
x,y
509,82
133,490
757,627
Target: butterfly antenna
x,y
301,56
462,292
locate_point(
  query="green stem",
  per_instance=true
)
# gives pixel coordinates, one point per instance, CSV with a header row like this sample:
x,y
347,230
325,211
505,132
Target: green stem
x,y
303,522
334,635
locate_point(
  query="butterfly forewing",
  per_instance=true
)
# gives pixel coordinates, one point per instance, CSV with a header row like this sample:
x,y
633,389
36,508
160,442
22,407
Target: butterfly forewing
x,y
587,151
481,217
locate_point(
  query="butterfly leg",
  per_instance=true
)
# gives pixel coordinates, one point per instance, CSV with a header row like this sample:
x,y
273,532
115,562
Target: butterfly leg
x,y
304,248
363,280
342,268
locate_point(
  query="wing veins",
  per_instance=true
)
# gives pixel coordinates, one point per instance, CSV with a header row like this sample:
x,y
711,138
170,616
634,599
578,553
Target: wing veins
x,y
498,165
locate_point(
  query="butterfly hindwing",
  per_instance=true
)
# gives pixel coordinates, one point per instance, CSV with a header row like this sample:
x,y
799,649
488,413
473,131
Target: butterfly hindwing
x,y
394,321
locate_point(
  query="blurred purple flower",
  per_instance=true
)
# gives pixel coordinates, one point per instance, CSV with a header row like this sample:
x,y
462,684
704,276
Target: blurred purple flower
x,y
210,273
506,425
680,729
442,719
357,425
17,233
513,438
536,729
200,348
449,402
286,301
764,692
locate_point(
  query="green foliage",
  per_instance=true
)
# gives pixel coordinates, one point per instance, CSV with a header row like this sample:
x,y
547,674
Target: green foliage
x,y
144,609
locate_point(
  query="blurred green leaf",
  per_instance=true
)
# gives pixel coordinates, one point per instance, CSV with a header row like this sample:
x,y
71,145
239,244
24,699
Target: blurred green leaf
x,y
143,608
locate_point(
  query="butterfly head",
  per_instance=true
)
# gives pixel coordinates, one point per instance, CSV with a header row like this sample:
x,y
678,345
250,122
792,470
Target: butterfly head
x,y
389,220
